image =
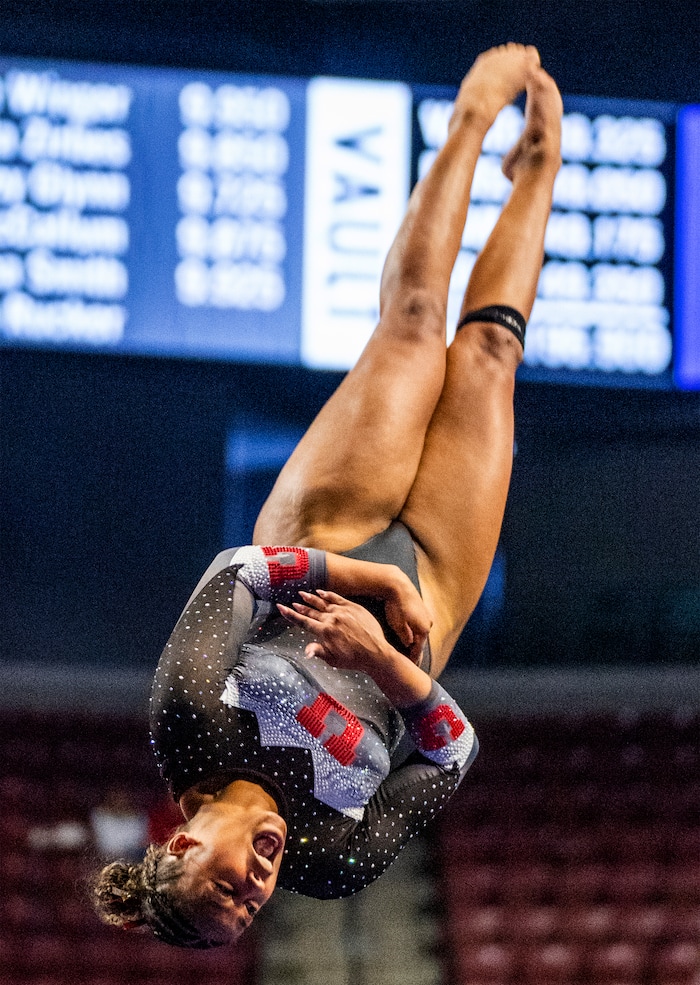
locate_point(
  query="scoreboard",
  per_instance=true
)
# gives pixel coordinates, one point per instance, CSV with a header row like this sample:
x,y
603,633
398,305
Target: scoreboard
x,y
208,215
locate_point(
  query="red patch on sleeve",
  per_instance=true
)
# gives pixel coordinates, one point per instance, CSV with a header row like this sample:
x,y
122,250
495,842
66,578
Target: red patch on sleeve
x,y
439,727
286,564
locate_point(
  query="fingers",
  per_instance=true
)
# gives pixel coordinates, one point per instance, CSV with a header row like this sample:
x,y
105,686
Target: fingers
x,y
330,597
312,602
305,614
405,634
415,653
315,650
300,616
310,613
322,599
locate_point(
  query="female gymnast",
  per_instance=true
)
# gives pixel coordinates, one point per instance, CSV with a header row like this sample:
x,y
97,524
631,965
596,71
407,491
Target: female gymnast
x,y
293,671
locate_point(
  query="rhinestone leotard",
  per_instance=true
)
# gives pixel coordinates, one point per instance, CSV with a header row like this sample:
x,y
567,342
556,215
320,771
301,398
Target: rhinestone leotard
x,y
233,696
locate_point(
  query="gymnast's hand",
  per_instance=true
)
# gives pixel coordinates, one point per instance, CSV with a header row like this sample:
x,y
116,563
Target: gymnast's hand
x,y
408,616
349,636
404,608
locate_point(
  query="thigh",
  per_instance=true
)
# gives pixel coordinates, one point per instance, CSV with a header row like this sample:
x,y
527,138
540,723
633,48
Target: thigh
x,y
455,508
351,473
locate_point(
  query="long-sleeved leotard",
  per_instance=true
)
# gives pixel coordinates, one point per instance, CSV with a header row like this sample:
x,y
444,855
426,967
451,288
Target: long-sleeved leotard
x,y
234,696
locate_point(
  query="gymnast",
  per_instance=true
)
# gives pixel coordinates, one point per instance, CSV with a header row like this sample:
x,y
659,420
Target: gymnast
x,y
293,671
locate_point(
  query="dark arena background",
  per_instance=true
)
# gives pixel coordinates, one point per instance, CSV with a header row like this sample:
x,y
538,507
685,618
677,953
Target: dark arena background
x,y
145,409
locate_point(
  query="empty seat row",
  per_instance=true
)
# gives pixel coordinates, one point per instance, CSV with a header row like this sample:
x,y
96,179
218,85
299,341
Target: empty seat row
x,y
567,962
576,921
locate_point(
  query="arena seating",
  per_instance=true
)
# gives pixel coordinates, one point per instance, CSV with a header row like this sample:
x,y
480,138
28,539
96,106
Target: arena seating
x,y
571,854
53,769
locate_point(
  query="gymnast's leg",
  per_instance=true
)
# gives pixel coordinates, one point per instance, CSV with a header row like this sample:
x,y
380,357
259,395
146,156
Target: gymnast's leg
x,y
350,475
455,508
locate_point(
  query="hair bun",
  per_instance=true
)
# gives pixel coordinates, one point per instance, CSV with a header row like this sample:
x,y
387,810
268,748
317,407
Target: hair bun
x,y
119,892
128,895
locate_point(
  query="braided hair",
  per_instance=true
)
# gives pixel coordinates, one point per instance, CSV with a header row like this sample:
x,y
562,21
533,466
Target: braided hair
x,y
131,895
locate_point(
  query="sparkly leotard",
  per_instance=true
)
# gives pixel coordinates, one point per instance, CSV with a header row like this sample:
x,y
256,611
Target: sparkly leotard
x,y
234,696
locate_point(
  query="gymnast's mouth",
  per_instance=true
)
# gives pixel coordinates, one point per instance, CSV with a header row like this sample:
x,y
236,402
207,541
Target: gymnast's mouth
x,y
267,844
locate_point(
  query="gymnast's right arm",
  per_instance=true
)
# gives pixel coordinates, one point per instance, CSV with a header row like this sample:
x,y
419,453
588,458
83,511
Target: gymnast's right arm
x,y
278,574
355,853
416,791
347,635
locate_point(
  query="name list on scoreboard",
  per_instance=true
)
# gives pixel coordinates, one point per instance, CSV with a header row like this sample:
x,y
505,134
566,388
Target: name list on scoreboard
x,y
200,214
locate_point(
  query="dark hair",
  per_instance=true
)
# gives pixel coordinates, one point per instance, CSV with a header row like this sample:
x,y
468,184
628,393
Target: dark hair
x,y
144,894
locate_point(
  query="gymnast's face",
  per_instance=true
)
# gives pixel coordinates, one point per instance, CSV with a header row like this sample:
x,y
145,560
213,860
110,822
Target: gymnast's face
x,y
231,857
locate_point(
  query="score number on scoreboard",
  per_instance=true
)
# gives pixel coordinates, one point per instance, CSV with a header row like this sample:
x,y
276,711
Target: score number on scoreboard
x,y
603,300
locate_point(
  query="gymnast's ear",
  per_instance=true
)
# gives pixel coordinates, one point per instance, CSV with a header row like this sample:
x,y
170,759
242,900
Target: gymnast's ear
x,y
180,842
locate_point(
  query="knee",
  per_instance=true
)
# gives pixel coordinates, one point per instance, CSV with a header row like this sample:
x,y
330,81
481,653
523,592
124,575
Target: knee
x,y
423,305
418,315
494,346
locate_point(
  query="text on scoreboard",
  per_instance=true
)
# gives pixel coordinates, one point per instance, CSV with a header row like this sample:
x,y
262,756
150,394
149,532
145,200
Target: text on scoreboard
x,y
211,215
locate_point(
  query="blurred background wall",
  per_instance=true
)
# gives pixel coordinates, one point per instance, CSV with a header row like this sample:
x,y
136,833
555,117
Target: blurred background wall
x,y
113,469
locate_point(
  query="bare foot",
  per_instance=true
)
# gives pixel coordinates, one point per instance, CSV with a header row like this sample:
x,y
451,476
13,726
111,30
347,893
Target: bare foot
x,y
539,145
494,80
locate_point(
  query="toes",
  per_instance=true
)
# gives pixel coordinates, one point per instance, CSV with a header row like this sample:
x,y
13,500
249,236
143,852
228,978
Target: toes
x,y
533,53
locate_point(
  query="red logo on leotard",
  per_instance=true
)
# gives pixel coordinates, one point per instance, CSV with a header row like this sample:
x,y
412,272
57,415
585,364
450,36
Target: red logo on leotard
x,y
286,564
439,727
313,718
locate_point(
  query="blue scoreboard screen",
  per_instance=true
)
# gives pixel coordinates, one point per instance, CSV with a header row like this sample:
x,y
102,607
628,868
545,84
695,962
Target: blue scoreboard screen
x,y
208,215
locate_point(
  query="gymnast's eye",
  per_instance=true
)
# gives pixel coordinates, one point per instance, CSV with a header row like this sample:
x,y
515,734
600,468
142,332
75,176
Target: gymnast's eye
x,y
229,892
225,890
